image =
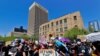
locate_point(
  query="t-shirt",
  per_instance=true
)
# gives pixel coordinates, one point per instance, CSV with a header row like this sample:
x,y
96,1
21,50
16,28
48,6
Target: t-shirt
x,y
20,52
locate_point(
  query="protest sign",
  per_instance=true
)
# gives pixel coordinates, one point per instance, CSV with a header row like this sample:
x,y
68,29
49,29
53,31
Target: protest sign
x,y
46,52
43,39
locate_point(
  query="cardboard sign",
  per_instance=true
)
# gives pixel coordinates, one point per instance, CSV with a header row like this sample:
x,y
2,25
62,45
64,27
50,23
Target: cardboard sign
x,y
43,40
46,52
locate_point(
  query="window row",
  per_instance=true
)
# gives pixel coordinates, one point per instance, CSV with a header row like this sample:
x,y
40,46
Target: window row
x,y
52,24
61,29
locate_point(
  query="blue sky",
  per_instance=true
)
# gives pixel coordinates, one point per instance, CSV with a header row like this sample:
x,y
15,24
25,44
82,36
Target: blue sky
x,y
14,13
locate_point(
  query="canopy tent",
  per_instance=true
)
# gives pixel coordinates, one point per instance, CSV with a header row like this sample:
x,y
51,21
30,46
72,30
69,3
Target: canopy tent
x,y
92,37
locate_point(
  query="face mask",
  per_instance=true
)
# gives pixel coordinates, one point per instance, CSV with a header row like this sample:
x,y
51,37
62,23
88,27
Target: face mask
x,y
94,48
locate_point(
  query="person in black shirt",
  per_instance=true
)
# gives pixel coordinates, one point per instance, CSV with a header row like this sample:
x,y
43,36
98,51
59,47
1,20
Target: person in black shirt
x,y
20,51
7,48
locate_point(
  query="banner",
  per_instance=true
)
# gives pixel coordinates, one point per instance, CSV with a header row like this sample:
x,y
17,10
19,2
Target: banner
x,y
46,52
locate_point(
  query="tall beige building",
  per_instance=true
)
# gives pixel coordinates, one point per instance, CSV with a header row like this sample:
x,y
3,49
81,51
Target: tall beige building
x,y
37,16
58,26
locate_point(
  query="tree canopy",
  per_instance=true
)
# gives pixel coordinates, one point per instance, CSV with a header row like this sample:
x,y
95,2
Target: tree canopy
x,y
72,33
8,38
34,37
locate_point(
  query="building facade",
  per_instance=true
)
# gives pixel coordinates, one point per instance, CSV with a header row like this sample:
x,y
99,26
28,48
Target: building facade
x,y
37,16
18,32
58,26
94,25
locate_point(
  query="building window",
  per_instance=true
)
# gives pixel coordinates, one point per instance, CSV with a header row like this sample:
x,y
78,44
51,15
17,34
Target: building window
x,y
56,30
57,23
48,25
76,26
60,21
75,17
45,27
61,34
65,20
57,35
65,28
61,29
52,24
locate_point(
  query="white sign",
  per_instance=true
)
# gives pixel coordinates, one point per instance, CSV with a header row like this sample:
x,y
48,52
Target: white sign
x,y
46,52
43,39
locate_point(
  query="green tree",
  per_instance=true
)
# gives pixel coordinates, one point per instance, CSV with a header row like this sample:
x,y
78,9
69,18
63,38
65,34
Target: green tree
x,y
34,37
9,38
1,38
72,33
25,36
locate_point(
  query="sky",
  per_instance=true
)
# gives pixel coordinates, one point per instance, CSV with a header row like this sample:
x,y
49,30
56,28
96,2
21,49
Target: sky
x,y
14,13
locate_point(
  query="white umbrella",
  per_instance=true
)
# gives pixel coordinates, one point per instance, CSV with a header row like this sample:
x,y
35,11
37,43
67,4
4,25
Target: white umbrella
x,y
93,37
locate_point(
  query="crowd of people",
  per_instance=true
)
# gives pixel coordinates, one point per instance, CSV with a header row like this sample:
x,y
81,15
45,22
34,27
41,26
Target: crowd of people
x,y
20,47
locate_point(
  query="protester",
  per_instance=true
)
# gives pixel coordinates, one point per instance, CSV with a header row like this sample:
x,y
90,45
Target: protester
x,y
97,46
31,48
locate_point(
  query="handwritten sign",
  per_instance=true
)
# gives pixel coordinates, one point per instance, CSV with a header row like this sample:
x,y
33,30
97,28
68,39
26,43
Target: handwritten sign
x,y
46,52
43,39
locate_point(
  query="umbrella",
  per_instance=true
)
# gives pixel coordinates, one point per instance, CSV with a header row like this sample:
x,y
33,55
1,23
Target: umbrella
x,y
64,39
92,37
